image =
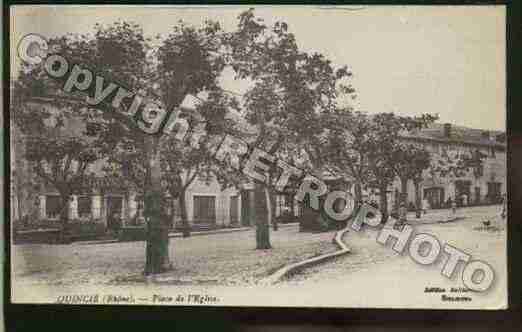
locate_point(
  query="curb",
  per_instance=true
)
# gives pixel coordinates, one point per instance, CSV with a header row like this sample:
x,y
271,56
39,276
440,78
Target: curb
x,y
288,269
441,221
180,235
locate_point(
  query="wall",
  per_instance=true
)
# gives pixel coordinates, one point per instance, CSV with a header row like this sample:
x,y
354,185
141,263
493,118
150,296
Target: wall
x,y
494,171
200,188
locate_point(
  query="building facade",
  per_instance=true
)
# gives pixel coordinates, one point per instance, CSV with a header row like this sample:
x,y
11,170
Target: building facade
x,y
207,205
475,186
31,200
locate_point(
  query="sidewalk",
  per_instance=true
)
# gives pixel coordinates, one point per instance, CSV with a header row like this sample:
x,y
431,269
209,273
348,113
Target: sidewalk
x,y
433,216
446,215
218,259
179,234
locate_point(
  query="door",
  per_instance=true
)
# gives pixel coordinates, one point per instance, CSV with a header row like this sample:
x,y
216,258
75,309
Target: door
x,y
234,207
204,210
52,206
114,205
462,188
245,208
114,211
494,192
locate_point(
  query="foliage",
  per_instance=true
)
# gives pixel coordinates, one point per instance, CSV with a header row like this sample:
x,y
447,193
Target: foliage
x,y
411,161
290,87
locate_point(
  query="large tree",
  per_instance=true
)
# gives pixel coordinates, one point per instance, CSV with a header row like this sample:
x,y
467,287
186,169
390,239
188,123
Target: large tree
x,y
290,89
411,162
58,156
350,143
388,129
185,161
188,61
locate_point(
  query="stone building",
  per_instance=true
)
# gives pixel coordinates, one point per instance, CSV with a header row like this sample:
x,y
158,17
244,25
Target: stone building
x,y
206,204
209,206
476,186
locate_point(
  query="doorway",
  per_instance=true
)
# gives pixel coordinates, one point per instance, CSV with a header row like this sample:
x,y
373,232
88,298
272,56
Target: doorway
x,y
234,207
435,197
114,212
462,188
205,210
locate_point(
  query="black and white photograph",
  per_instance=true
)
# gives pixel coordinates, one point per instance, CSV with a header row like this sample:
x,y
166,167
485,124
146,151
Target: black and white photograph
x,y
258,156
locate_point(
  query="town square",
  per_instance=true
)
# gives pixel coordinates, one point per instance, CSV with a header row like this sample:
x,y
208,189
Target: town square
x,y
230,156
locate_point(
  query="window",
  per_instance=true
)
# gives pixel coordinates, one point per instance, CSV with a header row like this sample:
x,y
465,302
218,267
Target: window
x,y
52,206
84,206
204,209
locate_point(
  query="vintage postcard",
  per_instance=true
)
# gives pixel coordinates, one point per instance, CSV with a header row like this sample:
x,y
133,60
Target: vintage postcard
x,y
282,156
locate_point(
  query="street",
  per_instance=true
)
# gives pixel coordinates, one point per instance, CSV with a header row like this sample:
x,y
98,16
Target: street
x,y
371,273
385,275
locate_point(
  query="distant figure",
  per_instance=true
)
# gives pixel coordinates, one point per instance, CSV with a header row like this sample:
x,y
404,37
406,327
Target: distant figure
x,y
114,222
454,207
464,198
449,202
425,206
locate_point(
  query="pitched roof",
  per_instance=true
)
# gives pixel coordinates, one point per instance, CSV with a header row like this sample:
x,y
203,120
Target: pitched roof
x,y
460,134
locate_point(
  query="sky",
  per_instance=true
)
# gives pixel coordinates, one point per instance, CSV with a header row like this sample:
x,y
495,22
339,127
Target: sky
x,y
404,59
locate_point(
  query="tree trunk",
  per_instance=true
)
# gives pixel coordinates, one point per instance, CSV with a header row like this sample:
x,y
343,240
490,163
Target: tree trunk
x,y
292,205
157,251
418,202
65,235
261,214
404,190
245,208
383,204
358,194
184,219
173,213
272,199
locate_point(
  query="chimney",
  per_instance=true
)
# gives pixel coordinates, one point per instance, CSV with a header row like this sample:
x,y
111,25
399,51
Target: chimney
x,y
447,130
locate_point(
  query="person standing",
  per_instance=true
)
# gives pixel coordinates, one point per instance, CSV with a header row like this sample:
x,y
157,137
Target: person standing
x,y
503,214
425,206
403,213
464,199
453,207
451,204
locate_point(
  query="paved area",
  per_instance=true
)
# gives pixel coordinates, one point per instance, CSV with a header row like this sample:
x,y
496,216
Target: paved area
x,y
222,259
434,216
371,275
374,274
